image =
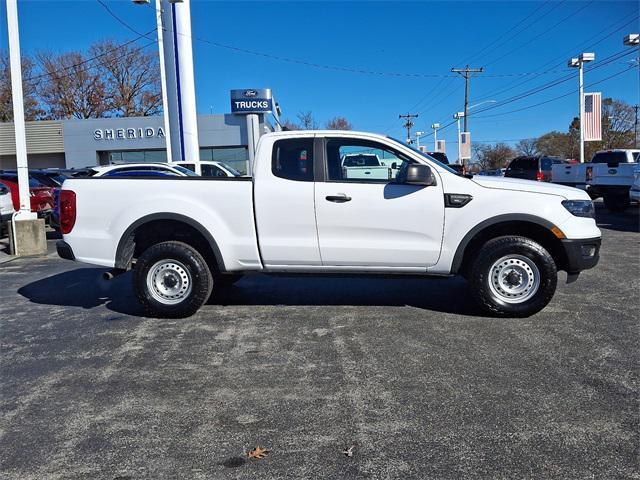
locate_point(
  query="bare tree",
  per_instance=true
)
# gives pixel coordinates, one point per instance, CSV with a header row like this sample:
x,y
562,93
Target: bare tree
x,y
32,109
527,146
490,157
131,76
557,144
289,125
338,123
71,87
307,122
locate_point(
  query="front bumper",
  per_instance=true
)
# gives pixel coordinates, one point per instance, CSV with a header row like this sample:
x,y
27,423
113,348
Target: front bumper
x,y
64,250
581,254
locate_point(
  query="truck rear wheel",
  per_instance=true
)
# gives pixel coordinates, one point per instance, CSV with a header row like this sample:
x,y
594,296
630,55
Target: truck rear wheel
x,y
172,280
513,276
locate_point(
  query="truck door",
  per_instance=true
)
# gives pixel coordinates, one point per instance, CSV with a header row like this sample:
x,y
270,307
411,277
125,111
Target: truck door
x,y
375,222
284,204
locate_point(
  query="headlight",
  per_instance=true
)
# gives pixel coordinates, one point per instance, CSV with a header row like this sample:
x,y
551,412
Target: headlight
x,y
580,208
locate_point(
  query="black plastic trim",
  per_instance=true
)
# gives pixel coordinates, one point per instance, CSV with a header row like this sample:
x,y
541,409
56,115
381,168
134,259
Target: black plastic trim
x,y
509,217
576,262
64,250
124,252
448,203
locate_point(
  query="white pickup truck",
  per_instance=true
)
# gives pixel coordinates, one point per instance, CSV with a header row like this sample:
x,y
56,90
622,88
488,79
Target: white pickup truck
x,y
579,175
186,236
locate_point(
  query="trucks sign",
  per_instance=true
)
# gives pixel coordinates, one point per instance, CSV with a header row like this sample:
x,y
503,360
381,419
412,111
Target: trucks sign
x,y
251,101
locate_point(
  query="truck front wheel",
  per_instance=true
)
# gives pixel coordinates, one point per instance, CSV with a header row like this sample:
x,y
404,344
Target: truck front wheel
x,y
172,280
513,276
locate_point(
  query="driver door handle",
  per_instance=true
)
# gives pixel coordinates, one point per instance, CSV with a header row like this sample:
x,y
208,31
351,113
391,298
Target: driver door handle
x,y
340,198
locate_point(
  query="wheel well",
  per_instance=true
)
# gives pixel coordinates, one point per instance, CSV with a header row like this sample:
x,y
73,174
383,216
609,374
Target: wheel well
x,y
535,232
162,230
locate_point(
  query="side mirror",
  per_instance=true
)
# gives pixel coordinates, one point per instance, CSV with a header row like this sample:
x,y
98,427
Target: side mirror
x,y
418,174
394,166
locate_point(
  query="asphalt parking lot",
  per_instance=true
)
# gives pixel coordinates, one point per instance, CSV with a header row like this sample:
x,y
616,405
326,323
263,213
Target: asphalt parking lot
x,y
405,371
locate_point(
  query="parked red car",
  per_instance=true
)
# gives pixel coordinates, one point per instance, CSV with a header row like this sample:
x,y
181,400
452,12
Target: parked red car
x,y
41,197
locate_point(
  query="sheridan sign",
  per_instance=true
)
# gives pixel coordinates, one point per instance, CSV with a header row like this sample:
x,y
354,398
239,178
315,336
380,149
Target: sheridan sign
x,y
128,133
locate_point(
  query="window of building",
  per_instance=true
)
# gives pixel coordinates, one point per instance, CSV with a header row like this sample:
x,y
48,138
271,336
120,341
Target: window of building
x,y
293,159
236,157
132,156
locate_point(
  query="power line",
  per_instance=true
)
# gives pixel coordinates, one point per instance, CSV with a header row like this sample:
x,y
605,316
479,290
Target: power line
x,y
577,47
540,35
572,92
472,57
118,47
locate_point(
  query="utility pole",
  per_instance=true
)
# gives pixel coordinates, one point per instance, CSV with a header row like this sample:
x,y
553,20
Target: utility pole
x,y
408,125
465,72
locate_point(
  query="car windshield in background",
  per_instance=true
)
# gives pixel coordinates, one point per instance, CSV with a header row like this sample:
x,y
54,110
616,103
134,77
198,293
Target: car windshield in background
x,y
186,171
609,157
437,162
233,171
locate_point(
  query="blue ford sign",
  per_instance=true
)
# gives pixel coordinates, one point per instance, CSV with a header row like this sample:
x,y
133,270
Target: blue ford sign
x,y
251,101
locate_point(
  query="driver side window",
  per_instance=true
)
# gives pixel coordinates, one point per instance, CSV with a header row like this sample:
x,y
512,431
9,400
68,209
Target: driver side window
x,y
354,160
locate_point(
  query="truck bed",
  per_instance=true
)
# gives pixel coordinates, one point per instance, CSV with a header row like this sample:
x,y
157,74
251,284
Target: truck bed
x,y
108,207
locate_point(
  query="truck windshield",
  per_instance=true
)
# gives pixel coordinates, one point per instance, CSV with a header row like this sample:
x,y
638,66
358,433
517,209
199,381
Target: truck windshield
x,y
440,164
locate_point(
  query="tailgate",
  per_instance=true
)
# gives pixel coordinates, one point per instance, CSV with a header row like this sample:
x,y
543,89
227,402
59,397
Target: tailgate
x,y
603,174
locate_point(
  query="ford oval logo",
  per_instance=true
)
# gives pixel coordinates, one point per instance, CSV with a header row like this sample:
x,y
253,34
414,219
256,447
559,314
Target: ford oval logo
x,y
250,93
612,171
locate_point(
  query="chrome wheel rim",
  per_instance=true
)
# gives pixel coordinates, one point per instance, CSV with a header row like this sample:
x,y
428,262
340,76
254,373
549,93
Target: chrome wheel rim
x,y
169,282
514,279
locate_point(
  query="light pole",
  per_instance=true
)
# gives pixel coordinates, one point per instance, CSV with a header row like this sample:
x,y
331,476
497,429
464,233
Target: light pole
x,y
579,64
177,55
163,75
418,135
27,231
633,40
435,127
458,116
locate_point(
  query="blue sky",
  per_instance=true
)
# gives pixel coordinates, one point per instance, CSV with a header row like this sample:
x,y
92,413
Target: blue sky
x,y
403,42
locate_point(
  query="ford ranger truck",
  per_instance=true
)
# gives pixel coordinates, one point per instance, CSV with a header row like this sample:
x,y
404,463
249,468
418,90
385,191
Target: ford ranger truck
x,y
300,213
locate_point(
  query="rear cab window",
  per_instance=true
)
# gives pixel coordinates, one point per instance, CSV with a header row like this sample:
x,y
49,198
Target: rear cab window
x,y
613,158
292,159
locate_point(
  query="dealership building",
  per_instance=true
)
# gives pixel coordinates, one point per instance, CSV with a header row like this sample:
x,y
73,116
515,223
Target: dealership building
x,y
102,141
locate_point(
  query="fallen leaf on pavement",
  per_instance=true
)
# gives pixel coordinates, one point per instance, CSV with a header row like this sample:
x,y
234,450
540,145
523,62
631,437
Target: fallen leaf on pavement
x,y
349,451
258,452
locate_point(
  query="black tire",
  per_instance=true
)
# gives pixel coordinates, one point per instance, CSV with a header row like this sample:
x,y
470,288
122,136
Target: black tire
x,y
226,280
484,276
616,202
191,268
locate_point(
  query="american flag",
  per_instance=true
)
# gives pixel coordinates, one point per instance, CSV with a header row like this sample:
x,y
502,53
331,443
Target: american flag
x,y
592,116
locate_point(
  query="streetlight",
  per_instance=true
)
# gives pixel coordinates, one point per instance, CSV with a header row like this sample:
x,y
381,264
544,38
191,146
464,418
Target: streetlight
x,y
579,64
458,116
633,40
435,127
418,135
